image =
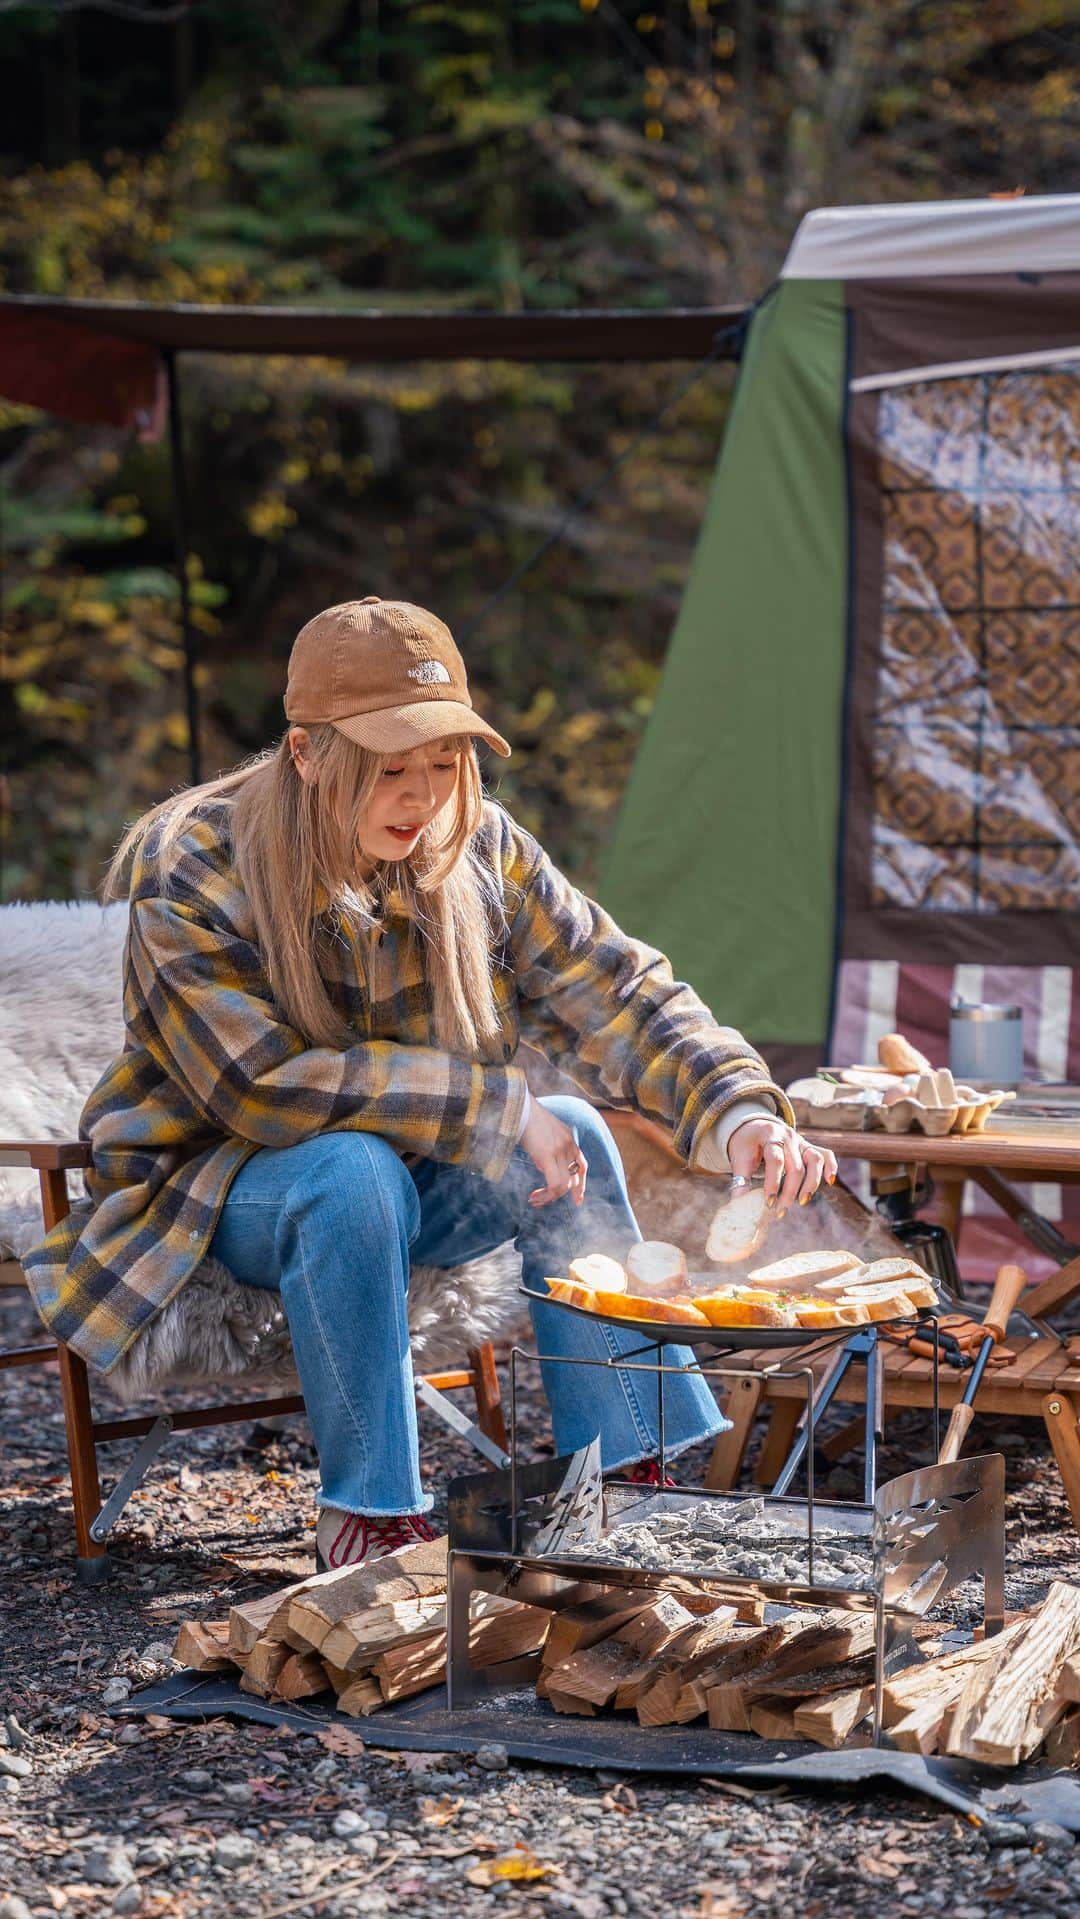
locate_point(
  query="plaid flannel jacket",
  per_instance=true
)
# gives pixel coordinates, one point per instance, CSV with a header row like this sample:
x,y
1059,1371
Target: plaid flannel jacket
x,y
211,1071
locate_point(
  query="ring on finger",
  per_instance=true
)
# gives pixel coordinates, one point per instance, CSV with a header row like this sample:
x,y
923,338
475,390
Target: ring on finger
x,y
574,1166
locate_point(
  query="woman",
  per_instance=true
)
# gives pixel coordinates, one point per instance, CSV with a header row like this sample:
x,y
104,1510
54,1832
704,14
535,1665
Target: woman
x,y
333,954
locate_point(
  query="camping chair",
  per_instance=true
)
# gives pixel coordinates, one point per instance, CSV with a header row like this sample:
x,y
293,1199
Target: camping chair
x,y
52,1160
61,1022
1042,1382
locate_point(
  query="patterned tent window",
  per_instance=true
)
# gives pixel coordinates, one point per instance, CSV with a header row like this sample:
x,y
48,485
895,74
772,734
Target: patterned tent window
x,y
976,731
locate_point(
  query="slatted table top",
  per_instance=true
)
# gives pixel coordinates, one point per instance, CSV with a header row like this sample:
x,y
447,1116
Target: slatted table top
x,y
1050,1154
1042,1365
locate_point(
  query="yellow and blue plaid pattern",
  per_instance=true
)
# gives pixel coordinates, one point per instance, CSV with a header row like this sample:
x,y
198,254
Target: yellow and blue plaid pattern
x,y
211,1071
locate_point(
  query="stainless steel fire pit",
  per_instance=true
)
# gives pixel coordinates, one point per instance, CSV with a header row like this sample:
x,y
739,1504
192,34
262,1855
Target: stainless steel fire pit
x,y
553,1534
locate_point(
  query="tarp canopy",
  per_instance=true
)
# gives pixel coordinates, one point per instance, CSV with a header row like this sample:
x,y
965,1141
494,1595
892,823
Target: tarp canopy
x,y
103,360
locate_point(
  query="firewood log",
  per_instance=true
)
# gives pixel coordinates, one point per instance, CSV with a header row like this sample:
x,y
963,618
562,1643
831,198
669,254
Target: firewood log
x,y
203,1645
685,1694
596,1673
1025,1702
654,1627
663,1698
349,1642
727,1707
263,1665
268,1616
301,1677
830,1719
593,1620
569,1702
321,1603
1063,1741
262,1618
936,1684
500,1629
362,1695
771,1719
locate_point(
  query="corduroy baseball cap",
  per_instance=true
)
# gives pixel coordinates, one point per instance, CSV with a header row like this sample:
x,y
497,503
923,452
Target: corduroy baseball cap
x,y
386,674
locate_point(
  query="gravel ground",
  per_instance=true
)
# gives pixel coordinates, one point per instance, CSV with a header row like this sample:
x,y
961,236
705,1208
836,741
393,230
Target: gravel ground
x,y
168,1819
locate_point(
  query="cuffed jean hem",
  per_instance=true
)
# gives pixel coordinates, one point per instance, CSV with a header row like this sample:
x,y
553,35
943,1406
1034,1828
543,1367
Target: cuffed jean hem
x,y
323,1504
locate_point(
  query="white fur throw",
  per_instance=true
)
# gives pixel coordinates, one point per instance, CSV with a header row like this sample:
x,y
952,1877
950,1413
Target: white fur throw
x,y
60,1024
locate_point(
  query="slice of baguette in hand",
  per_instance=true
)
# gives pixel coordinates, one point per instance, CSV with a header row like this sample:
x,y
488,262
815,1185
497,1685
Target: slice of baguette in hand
x,y
655,1269
598,1273
803,1271
739,1227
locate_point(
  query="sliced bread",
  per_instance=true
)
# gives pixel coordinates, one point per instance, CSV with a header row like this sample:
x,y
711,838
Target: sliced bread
x,y
738,1227
803,1270
599,1273
655,1269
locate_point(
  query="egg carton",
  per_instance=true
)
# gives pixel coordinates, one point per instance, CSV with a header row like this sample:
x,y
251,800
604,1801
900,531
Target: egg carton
x,y
935,1106
864,1099
833,1108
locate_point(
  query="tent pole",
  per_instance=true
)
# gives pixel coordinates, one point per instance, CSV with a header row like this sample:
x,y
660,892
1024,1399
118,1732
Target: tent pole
x,y
180,542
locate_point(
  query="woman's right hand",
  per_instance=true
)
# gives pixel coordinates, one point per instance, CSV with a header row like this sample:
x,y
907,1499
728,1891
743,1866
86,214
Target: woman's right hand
x,y
555,1152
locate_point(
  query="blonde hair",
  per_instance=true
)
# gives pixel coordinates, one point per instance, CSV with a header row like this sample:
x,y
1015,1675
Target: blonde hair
x,y
292,836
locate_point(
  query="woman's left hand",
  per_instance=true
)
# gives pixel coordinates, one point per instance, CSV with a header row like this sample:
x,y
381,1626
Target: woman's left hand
x,y
793,1168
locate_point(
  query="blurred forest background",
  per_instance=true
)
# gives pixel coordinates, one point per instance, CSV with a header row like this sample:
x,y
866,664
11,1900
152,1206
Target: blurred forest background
x,y
379,153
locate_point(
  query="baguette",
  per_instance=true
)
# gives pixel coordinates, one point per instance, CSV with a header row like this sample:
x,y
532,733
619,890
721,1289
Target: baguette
x,y
877,1271
805,1269
883,1303
599,1273
898,1054
671,1312
742,1308
570,1293
655,1269
919,1291
828,1312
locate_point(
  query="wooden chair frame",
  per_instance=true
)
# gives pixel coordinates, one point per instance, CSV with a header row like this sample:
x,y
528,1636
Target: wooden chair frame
x,y
52,1160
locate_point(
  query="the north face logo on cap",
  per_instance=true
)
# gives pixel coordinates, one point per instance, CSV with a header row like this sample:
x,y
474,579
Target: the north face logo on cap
x,y
430,673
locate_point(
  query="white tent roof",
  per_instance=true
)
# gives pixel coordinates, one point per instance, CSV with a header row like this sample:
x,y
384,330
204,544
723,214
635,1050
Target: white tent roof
x,y
1037,235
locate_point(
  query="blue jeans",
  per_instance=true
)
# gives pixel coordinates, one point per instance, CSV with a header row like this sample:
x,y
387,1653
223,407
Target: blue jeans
x,y
333,1224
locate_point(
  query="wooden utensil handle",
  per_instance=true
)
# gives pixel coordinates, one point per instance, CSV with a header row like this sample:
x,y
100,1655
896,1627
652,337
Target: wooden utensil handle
x,y
1008,1287
959,1421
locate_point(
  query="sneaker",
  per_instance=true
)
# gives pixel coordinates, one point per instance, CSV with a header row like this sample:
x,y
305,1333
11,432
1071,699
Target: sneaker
x,y
348,1539
645,1472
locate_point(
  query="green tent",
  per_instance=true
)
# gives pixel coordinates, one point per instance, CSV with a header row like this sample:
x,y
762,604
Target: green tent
x,y
859,788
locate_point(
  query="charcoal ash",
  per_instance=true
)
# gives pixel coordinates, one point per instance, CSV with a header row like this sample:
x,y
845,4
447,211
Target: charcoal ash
x,y
748,1539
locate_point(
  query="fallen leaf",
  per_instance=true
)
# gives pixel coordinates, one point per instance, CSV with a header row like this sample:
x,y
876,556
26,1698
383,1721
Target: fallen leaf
x,y
348,1745
439,1812
521,1863
718,1905
415,1761
621,1798
879,1868
159,1723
